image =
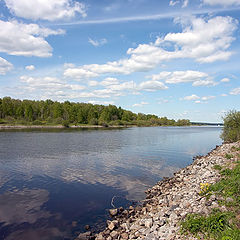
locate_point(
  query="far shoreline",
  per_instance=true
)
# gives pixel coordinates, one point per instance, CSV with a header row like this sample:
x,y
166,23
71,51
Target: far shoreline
x,y
7,127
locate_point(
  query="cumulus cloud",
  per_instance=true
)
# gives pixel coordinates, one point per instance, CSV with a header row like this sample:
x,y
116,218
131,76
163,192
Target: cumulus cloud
x,y
48,87
191,97
205,98
222,2
109,81
97,43
30,67
204,40
235,91
198,99
101,102
208,82
185,3
25,39
5,66
225,80
46,10
141,104
197,78
152,86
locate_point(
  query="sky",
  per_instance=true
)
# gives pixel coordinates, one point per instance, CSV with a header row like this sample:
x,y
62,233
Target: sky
x,y
178,58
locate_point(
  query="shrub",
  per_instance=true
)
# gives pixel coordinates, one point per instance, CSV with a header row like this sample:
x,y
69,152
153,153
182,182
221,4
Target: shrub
x,y
231,128
66,123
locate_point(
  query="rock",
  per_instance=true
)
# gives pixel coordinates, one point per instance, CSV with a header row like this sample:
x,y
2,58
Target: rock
x,y
113,212
112,225
114,234
87,227
124,236
148,223
168,202
84,236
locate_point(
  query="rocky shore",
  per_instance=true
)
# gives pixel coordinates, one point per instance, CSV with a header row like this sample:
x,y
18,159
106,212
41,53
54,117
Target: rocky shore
x,y
168,202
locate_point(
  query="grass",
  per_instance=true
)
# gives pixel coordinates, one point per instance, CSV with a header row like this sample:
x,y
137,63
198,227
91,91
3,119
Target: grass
x,y
219,225
228,156
233,148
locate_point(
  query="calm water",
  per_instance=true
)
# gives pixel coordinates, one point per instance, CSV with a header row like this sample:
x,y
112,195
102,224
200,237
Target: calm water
x,y
52,183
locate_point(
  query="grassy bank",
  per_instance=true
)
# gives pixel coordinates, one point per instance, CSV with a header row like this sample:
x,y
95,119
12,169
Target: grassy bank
x,y
220,225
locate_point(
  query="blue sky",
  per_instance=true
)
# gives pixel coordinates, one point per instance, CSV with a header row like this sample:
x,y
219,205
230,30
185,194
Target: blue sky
x,y
178,59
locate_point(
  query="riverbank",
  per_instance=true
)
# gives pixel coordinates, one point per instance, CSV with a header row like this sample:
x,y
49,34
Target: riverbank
x,y
54,126
169,202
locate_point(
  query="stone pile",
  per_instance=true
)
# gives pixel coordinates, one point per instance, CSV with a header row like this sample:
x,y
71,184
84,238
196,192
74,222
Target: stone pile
x,y
168,202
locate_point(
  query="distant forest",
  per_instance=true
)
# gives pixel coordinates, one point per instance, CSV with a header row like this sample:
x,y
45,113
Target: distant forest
x,y
48,112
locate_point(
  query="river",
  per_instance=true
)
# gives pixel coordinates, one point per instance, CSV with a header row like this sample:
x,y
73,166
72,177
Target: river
x,y
53,182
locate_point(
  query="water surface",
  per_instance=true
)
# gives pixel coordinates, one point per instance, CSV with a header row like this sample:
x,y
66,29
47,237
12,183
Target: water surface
x,y
53,182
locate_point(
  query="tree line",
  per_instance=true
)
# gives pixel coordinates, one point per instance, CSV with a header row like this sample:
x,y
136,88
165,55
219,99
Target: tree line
x,y
66,113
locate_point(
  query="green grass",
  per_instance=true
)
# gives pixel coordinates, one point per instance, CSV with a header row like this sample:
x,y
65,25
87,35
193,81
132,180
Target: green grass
x,y
215,226
217,167
219,225
233,148
228,156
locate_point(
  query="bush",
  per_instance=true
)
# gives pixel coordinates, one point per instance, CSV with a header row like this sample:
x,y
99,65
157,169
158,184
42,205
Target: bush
x,y
231,128
66,123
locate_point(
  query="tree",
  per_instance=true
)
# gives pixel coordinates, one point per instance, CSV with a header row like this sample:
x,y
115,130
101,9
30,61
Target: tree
x,y
231,127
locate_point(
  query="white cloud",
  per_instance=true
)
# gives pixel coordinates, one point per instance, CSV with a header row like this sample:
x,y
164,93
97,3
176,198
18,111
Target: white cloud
x,y
109,81
122,86
141,104
30,67
205,98
25,39
197,78
185,3
47,87
224,95
173,3
93,83
222,2
235,91
152,86
204,40
101,102
197,98
208,82
97,43
192,97
5,66
225,80
79,73
45,9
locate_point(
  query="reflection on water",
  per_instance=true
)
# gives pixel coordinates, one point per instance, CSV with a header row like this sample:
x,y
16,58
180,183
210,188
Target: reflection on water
x,y
52,183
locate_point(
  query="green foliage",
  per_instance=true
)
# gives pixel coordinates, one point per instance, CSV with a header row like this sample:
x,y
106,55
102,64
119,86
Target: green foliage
x,y
231,128
215,226
228,156
217,167
233,148
229,186
66,123
14,111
